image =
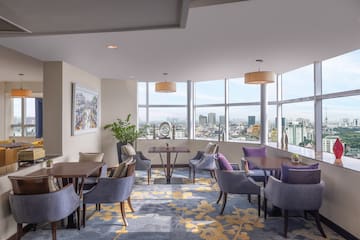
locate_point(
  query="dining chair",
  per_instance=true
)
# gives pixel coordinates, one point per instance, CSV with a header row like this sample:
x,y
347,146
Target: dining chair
x,y
143,163
35,201
204,160
235,182
302,191
113,189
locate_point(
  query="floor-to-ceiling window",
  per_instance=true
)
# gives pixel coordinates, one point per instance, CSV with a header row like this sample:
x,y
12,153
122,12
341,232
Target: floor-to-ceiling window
x,y
22,117
155,108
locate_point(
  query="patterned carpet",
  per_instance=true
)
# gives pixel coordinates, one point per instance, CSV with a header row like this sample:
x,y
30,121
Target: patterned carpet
x,y
184,211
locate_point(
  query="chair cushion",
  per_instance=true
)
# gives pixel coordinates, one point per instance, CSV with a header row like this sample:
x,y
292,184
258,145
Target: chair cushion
x,y
254,152
91,157
224,164
285,170
207,162
122,169
304,176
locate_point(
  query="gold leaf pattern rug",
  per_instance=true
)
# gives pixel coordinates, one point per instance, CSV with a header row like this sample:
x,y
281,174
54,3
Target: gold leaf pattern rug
x,y
184,211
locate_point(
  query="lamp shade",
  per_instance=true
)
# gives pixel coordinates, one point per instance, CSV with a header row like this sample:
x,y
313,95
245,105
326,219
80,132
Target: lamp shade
x,y
260,77
20,92
165,87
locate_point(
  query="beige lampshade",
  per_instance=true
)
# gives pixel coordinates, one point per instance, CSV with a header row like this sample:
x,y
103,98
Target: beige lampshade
x,y
20,92
260,77
165,87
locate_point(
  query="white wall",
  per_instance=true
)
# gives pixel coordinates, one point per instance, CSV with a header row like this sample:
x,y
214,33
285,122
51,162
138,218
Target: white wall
x,y
119,98
58,79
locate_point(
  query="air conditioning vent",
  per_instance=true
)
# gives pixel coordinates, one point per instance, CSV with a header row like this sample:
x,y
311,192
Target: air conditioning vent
x,y
9,27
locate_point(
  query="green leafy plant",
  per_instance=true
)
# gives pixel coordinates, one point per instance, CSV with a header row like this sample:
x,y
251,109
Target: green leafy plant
x,y
124,131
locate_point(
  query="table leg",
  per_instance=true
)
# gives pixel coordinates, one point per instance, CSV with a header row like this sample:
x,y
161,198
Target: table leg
x,y
168,168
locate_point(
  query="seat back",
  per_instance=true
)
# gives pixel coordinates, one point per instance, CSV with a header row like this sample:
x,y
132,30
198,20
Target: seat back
x,y
24,185
92,157
131,168
254,151
211,148
304,176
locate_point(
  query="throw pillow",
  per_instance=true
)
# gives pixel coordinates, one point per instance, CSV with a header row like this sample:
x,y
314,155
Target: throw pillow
x,y
207,162
285,170
121,170
224,164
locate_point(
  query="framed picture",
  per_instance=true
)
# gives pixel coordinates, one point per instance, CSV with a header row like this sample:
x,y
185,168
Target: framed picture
x,y
85,110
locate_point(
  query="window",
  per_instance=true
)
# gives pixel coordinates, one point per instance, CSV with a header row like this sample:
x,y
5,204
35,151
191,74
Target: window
x,y
210,123
244,123
241,92
272,128
341,119
299,123
210,92
293,81
341,73
22,117
163,107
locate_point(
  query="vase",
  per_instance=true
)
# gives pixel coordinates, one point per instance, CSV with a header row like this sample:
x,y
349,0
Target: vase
x,y
338,150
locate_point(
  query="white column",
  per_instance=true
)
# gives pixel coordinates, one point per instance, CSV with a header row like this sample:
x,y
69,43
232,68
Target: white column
x,y
263,116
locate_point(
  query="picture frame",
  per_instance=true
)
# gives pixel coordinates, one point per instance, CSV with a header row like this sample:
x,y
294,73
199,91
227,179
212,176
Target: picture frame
x,y
85,110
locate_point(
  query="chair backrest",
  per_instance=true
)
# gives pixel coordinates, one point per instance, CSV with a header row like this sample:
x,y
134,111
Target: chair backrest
x,y
211,148
304,176
91,157
24,185
254,151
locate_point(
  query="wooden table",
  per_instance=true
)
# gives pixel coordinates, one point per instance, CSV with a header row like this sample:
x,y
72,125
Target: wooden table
x,y
168,169
71,172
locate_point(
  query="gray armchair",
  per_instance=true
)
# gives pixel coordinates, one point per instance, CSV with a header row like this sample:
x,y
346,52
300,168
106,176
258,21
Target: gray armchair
x,y
235,182
112,190
44,207
303,192
143,163
198,162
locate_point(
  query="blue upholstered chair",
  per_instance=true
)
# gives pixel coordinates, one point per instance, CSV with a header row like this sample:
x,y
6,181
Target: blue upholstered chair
x,y
112,190
143,163
235,182
202,160
41,206
303,191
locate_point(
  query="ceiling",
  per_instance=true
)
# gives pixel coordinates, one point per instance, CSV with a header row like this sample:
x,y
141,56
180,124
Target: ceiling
x,y
219,41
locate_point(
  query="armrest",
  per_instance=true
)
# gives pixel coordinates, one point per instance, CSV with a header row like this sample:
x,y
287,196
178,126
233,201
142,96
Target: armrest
x,y
235,166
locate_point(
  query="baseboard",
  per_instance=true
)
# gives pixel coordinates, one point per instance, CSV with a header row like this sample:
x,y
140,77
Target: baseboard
x,y
336,228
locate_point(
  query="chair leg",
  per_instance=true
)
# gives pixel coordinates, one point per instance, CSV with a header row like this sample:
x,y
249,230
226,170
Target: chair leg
x,y
286,218
249,198
78,217
53,230
318,224
129,203
223,203
193,174
149,175
84,215
123,214
265,208
259,204
190,171
19,231
220,196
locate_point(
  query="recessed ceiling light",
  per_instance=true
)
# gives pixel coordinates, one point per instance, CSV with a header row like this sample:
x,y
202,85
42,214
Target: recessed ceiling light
x,y
112,46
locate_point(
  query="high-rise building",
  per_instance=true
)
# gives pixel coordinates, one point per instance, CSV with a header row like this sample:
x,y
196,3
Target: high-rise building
x,y
222,119
356,122
212,119
328,143
251,120
203,120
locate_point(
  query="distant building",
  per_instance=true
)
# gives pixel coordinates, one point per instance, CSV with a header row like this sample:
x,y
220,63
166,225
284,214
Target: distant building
x,y
356,122
203,120
212,119
328,143
222,119
296,132
251,120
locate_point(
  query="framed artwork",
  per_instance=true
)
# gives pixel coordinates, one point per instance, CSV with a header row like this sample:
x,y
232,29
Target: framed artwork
x,y
85,110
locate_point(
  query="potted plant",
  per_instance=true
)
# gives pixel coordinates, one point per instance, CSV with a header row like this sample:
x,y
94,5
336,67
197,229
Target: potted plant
x,y
125,132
